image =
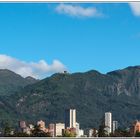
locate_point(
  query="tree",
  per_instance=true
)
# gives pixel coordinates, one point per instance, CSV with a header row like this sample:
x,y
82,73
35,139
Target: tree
x,y
7,129
137,134
95,133
68,133
102,132
20,134
121,133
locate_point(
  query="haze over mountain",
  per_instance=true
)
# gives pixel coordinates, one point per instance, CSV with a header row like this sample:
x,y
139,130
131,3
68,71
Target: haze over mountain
x,y
91,93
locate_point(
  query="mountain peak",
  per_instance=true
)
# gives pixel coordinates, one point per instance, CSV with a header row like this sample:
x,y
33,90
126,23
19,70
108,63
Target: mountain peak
x,y
11,82
124,70
30,78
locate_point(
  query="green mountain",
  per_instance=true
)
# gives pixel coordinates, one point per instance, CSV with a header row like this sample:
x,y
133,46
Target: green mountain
x,y
91,93
11,82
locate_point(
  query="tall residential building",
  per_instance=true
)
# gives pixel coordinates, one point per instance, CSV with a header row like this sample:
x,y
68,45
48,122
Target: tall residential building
x,y
58,129
70,118
108,122
115,126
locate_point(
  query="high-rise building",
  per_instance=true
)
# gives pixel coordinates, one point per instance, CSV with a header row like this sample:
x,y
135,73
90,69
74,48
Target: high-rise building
x,y
115,126
58,129
108,122
70,118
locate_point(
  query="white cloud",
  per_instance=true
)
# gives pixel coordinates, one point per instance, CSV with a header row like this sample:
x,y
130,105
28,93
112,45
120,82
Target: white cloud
x,y
35,69
77,11
135,6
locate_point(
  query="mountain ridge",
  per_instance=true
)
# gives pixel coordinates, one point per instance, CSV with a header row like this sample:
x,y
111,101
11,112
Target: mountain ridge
x,y
11,82
91,93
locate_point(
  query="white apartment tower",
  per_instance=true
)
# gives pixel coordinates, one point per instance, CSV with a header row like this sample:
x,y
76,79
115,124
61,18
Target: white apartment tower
x,y
70,118
108,122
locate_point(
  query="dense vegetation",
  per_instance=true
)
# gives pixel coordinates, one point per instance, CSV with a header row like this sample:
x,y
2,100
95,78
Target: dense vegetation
x,y
91,93
11,82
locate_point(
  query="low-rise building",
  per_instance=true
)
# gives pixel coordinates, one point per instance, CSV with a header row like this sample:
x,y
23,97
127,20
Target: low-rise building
x,y
115,126
90,133
51,129
31,126
22,124
77,129
58,129
42,126
93,132
135,127
27,130
81,133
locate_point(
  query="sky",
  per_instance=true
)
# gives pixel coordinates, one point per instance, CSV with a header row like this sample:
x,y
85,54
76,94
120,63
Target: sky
x,y
39,39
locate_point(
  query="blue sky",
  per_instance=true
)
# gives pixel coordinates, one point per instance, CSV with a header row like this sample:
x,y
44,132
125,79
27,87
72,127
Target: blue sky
x,y
39,39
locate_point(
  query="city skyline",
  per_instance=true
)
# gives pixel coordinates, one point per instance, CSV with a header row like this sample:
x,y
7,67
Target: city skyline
x,y
70,125
106,128
39,39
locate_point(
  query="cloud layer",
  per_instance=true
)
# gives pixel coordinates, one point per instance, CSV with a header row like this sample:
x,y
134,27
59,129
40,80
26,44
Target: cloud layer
x,y
135,6
77,11
35,69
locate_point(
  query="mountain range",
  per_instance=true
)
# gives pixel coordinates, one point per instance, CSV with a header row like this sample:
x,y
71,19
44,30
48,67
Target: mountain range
x,y
91,93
